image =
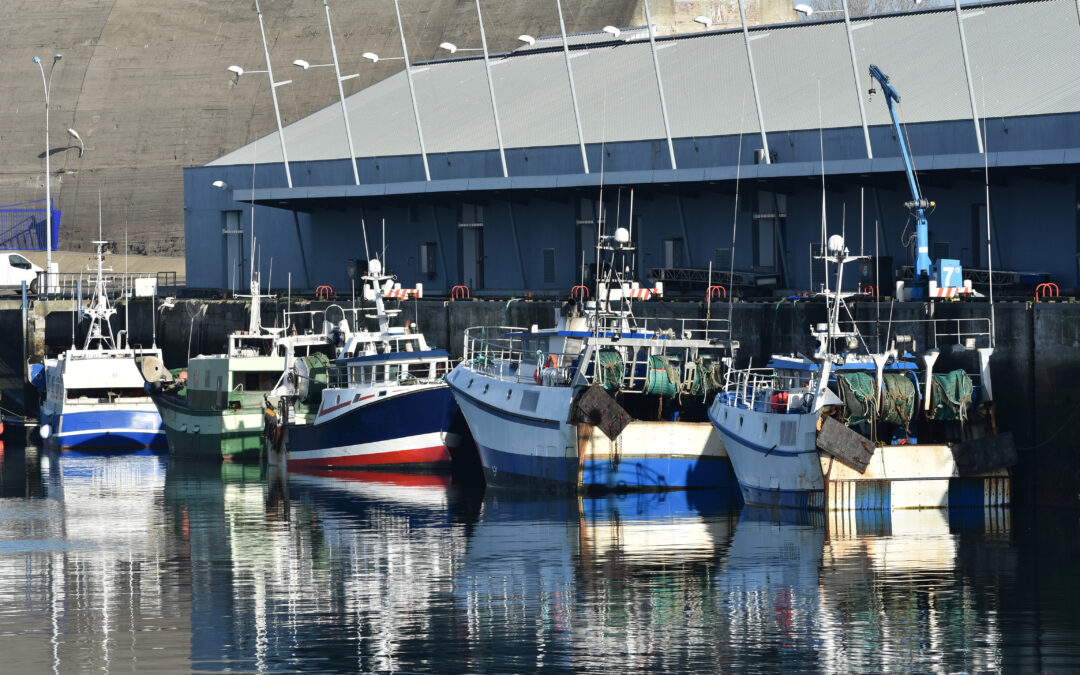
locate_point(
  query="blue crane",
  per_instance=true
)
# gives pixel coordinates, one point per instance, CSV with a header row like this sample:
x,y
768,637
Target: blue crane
x,y
920,204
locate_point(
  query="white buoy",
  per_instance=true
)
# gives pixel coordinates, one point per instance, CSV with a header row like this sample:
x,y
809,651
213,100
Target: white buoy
x,y
45,430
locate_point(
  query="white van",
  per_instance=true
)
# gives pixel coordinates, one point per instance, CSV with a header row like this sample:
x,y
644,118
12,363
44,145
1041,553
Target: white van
x,y
15,269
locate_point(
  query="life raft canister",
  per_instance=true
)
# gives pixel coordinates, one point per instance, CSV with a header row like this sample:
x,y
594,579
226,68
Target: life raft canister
x,y
779,401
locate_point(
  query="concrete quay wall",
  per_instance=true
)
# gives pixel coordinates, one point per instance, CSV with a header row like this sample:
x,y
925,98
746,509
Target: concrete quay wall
x,y
1035,367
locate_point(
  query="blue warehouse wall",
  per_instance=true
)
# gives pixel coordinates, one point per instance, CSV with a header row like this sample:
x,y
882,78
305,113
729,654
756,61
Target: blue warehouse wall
x,y
1033,206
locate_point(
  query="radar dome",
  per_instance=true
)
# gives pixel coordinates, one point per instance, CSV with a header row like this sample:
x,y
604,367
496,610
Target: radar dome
x,y
374,267
622,235
836,244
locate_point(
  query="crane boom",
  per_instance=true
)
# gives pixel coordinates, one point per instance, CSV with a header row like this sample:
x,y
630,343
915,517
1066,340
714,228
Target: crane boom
x,y
922,242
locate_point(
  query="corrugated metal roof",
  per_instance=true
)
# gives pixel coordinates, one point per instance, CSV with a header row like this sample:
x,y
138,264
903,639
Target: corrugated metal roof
x,y
1023,60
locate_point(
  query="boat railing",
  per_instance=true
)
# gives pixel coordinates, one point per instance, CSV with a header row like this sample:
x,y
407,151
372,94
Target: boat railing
x,y
743,387
968,332
502,353
715,331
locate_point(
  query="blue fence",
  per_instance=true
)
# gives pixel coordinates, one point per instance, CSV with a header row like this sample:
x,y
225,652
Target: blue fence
x,y
22,226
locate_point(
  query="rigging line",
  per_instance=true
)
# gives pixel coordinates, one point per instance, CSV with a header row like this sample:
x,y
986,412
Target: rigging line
x,y
824,225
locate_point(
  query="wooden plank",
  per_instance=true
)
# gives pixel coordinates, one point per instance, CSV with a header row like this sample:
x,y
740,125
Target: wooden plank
x,y
849,447
595,406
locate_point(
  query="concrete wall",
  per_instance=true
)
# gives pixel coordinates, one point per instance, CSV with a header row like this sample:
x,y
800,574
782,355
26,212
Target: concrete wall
x,y
144,84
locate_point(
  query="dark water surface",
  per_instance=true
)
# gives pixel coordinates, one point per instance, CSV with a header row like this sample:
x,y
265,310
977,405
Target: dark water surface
x,y
115,564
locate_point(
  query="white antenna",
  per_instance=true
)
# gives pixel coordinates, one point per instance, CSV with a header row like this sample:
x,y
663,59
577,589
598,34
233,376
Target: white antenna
x,y
367,252
384,243
989,249
824,226
126,292
734,218
630,230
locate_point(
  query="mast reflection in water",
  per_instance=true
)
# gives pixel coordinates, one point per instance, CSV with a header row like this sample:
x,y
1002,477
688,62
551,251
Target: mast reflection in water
x,y
121,563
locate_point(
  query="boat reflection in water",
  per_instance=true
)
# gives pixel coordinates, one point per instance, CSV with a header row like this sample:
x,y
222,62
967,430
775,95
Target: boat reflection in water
x,y
82,584
866,590
605,583
327,570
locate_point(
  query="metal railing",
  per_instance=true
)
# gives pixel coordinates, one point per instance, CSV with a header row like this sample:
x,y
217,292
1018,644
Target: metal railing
x,y
66,285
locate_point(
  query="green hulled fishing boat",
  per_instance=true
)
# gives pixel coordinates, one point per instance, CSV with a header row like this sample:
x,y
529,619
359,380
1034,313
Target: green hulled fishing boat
x,y
216,411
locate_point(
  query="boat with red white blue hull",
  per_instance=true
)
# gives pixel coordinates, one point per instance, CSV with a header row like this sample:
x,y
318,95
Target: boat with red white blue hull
x,y
382,403
394,426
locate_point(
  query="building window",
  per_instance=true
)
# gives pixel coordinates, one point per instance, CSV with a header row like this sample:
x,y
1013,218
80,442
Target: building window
x,y
426,259
549,265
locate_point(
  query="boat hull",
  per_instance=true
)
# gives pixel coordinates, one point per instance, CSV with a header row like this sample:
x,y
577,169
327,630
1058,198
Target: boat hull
x,y
211,434
797,475
116,429
522,438
411,429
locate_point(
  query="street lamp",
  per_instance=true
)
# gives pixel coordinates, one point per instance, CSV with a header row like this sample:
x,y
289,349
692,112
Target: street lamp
x,y
75,134
220,184
238,71
613,31
48,171
706,21
573,89
452,48
412,91
527,39
341,91
375,58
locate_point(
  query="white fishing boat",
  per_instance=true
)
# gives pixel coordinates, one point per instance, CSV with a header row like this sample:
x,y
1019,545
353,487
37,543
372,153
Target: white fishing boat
x,y
601,400
92,397
853,427
383,402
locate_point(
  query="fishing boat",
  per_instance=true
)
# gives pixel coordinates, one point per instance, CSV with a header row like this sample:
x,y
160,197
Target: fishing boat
x,y
216,411
383,402
92,397
857,427
602,400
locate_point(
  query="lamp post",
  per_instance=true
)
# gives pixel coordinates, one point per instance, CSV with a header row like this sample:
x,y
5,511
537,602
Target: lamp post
x,y
573,89
449,46
48,169
659,83
238,71
341,91
412,91
807,10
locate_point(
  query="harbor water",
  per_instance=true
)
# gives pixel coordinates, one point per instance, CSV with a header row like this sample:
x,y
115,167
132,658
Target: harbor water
x,y
121,563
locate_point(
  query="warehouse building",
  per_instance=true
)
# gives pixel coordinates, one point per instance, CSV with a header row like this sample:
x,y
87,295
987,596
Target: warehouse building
x,y
724,149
